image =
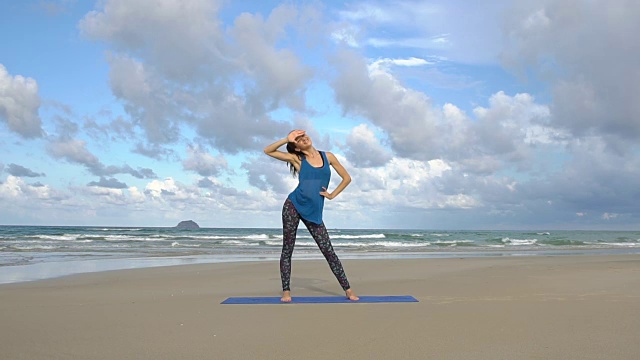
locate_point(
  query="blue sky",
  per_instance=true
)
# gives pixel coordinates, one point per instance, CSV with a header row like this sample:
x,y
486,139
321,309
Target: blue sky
x,y
447,114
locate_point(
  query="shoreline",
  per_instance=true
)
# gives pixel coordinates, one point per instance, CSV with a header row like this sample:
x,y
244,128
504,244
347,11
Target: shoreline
x,y
57,269
521,307
46,270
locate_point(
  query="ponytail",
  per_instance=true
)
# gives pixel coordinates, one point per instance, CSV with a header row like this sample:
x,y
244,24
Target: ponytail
x,y
291,149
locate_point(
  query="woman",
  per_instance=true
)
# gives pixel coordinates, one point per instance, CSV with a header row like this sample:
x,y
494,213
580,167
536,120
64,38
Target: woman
x,y
306,203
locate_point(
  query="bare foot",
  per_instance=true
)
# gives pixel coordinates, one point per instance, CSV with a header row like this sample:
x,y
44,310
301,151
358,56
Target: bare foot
x,y
351,296
286,296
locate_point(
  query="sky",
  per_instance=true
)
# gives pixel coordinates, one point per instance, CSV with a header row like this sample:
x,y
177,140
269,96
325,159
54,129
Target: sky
x,y
497,114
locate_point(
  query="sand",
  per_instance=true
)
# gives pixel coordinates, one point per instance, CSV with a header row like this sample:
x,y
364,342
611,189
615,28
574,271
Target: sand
x,y
556,307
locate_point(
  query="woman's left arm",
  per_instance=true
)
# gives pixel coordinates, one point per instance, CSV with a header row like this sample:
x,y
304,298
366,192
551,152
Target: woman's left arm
x,y
346,178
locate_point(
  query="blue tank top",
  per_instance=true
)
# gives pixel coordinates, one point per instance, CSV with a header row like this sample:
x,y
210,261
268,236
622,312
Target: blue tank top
x,y
306,196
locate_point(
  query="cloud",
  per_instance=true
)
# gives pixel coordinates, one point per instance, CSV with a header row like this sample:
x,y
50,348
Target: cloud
x,y
140,173
75,151
158,189
150,102
20,193
507,132
404,185
203,163
21,171
268,174
452,30
173,195
364,149
107,195
406,115
115,129
278,73
385,64
108,183
181,39
504,134
586,52
205,183
507,159
559,147
173,74
19,104
154,151
594,181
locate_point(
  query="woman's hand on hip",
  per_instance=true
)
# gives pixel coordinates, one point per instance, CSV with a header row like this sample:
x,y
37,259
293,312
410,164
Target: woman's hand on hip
x,y
326,194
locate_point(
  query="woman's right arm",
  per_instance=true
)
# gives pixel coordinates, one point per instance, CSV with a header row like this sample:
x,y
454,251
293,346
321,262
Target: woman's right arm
x,y
272,150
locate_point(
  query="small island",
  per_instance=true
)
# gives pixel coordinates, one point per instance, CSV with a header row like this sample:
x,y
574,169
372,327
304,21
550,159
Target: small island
x,y
187,225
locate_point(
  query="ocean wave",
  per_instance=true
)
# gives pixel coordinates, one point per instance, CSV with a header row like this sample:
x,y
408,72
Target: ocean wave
x,y
562,242
256,237
67,242
115,229
35,247
620,244
62,237
177,244
370,236
454,243
239,243
520,242
389,244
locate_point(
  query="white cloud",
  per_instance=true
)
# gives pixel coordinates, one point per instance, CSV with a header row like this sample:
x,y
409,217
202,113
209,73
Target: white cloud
x,y
346,34
15,189
187,73
278,73
110,183
403,184
268,174
174,68
406,115
19,104
465,33
384,65
501,135
108,195
586,51
536,21
364,149
202,162
158,188
73,150
136,195
180,38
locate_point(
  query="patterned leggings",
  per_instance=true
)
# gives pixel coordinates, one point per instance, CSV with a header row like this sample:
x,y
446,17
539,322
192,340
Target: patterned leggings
x,y
290,221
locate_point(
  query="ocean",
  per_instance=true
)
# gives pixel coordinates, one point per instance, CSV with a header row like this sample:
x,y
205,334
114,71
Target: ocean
x,y
40,252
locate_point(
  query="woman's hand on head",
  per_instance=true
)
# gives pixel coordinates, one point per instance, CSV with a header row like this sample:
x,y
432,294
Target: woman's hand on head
x,y
295,134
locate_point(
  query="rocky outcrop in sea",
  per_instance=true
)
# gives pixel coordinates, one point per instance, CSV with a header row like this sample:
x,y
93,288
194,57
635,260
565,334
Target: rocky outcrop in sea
x,y
187,225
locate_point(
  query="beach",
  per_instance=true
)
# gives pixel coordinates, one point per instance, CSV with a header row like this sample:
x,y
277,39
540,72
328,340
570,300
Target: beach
x,y
519,307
